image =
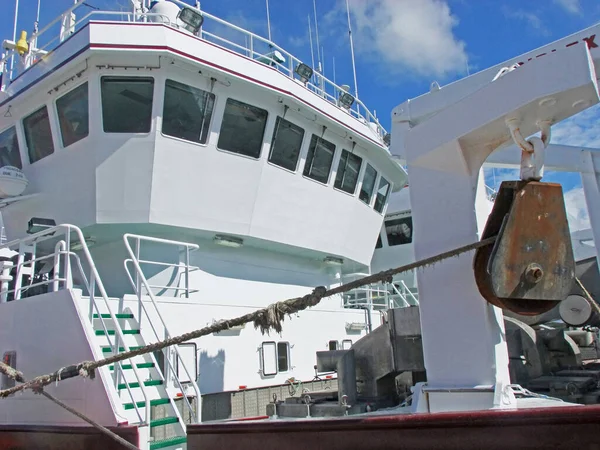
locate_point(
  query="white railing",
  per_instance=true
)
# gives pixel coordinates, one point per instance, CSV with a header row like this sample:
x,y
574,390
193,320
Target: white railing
x,y
379,296
63,258
253,46
141,282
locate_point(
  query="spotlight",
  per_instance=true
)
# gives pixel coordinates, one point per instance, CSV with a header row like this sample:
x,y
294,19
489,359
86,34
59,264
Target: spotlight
x,y
304,72
192,19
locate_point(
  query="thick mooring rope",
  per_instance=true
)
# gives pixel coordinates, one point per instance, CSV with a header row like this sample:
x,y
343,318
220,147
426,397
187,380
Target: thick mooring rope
x,y
265,319
18,376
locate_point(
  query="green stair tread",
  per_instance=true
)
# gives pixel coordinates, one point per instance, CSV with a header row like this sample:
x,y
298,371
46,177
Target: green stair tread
x,y
142,404
107,349
118,316
112,332
146,365
168,442
163,421
135,384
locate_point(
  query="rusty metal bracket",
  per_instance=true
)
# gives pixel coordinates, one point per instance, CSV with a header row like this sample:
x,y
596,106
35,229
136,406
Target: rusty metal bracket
x,y
531,267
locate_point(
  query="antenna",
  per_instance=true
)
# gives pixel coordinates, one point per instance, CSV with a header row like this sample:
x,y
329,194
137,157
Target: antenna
x,y
312,53
317,35
352,50
12,59
268,21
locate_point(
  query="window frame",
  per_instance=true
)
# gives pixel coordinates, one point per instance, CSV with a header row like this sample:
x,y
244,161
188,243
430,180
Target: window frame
x,y
300,151
360,168
387,195
408,218
52,132
152,109
264,132
288,349
262,359
333,160
210,122
362,180
58,124
16,131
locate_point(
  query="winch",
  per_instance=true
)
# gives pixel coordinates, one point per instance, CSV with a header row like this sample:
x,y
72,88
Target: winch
x,y
531,267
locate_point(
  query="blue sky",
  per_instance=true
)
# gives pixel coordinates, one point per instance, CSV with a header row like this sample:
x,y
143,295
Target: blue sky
x,y
401,46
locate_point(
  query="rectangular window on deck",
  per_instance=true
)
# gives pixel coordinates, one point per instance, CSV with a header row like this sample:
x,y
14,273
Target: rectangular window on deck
x,y
333,345
38,135
73,115
382,194
9,149
283,356
127,104
347,173
366,190
268,355
286,144
399,231
319,159
242,129
346,344
187,112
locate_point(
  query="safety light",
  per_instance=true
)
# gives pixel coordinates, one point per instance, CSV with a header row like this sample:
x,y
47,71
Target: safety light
x,y
304,72
191,18
346,100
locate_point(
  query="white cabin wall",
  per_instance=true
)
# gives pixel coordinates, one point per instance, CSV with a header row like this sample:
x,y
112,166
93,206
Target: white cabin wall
x,y
47,334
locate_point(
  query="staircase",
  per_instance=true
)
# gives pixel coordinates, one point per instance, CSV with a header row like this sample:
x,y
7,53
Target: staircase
x,y
140,381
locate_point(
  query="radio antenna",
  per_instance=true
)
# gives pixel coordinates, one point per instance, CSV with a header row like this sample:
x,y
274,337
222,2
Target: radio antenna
x,y
352,50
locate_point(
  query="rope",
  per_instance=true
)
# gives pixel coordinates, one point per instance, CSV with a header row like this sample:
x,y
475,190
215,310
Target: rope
x,y
18,376
588,296
265,319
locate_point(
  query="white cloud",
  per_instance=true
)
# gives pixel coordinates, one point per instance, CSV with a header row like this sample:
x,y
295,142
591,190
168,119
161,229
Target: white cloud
x,y
579,130
533,20
577,212
571,6
407,35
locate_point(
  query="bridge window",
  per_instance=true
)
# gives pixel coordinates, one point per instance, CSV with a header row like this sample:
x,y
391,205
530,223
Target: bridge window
x,y
347,173
9,149
382,194
319,159
366,190
38,135
242,129
286,144
127,104
399,231
73,115
187,112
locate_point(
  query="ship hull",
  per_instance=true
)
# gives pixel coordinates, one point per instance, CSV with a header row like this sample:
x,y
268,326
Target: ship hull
x,y
552,428
24,437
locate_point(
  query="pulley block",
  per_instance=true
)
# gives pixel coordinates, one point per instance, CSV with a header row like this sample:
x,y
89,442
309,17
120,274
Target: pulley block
x,y
530,268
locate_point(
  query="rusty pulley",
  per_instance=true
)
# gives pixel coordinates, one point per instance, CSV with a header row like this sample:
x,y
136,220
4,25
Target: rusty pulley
x,y
530,267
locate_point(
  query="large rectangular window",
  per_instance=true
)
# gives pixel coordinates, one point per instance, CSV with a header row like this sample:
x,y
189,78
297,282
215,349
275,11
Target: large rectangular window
x,y
286,144
399,231
368,184
319,159
187,112
268,357
9,149
382,194
127,104
73,115
347,173
242,129
38,135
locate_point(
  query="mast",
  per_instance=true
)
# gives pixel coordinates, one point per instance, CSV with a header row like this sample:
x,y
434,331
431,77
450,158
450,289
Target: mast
x,y
268,21
312,53
352,50
12,59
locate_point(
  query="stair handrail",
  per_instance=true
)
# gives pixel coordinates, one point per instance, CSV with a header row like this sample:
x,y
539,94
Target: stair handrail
x,y
142,278
415,299
67,229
